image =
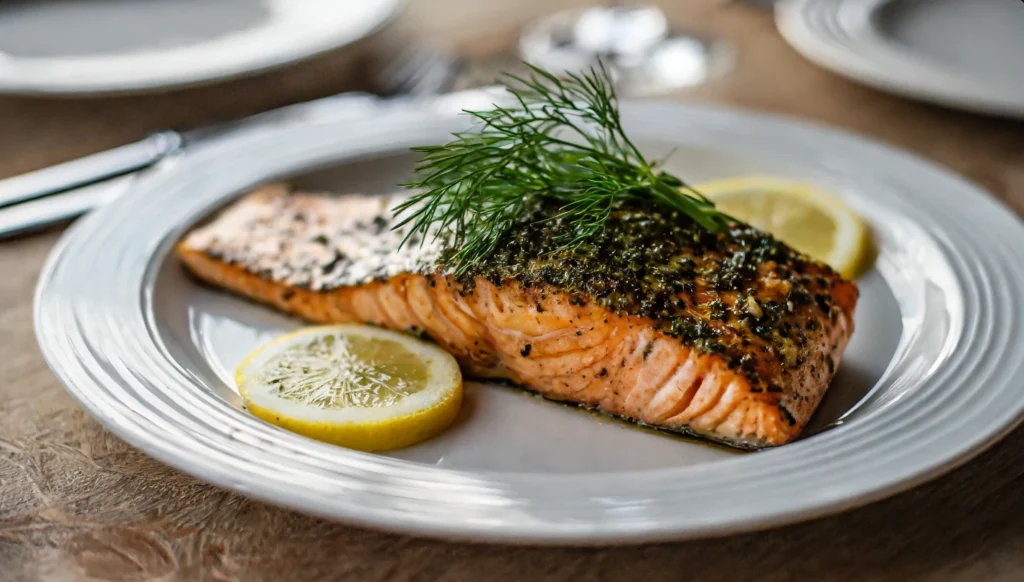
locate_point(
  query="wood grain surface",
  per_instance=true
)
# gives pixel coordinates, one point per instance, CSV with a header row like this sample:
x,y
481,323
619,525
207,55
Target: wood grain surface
x,y
78,504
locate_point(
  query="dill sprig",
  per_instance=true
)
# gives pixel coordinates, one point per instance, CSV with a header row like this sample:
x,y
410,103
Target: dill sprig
x,y
562,143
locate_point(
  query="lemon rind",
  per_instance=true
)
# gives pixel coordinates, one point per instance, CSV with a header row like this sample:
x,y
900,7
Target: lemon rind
x,y
415,418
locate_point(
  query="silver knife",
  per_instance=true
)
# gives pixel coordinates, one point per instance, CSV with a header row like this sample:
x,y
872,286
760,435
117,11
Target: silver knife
x,y
92,168
37,212
58,193
146,152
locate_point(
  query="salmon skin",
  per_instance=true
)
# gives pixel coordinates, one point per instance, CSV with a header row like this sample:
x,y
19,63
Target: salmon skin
x,y
733,337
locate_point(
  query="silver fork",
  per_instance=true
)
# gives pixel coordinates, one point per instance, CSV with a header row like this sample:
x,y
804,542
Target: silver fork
x,y
58,193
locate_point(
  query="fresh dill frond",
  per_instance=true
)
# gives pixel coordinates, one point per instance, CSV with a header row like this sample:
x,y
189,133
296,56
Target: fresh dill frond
x,y
562,143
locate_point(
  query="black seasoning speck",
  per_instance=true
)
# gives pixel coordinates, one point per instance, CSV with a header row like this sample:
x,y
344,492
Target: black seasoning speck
x,y
648,349
525,352
786,414
604,372
339,257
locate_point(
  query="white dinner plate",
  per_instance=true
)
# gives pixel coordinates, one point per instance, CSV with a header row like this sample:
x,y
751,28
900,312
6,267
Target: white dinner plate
x,y
967,55
931,377
111,46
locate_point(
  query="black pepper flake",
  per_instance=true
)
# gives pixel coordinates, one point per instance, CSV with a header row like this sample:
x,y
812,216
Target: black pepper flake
x,y
823,303
648,349
433,282
338,258
288,294
579,332
786,414
320,239
540,308
525,352
603,373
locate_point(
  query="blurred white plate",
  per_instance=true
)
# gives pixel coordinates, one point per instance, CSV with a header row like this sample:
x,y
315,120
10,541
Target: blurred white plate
x,y
930,378
109,46
966,55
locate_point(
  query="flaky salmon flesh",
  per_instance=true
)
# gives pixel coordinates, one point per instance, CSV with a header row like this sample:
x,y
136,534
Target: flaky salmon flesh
x,y
733,337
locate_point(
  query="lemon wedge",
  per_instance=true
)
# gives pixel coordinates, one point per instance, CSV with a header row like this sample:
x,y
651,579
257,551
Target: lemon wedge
x,y
811,221
357,386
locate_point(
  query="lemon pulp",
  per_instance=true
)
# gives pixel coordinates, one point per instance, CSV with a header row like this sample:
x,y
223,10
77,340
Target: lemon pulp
x,y
353,385
810,220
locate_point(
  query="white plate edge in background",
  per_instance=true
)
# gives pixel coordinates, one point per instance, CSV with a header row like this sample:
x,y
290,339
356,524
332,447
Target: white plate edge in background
x,y
274,44
847,45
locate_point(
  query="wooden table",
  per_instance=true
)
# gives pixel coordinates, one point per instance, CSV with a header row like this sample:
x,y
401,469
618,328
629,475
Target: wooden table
x,y
78,504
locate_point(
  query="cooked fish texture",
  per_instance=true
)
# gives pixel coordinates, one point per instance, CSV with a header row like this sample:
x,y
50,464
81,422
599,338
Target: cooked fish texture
x,y
733,337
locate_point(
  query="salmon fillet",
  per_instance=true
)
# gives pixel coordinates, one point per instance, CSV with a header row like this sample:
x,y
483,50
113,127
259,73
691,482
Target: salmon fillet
x,y
732,337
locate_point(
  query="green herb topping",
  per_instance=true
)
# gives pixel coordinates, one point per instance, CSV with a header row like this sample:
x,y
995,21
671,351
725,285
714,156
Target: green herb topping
x,y
562,144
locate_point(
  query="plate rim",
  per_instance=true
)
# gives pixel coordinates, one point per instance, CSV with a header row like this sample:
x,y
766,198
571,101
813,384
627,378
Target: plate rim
x,y
300,50
924,81
819,507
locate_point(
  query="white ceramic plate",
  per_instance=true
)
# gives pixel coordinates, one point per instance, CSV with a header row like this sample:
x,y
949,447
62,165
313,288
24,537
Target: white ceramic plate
x,y
932,375
108,46
960,54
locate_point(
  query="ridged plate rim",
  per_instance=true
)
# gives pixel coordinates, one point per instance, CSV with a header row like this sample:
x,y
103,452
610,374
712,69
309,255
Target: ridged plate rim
x,y
840,35
94,325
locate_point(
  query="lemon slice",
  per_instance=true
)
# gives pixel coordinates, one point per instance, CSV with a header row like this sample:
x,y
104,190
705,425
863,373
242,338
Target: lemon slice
x,y
356,386
813,222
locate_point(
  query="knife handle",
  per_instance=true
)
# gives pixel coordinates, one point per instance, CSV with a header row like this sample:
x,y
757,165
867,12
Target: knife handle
x,y
89,169
36,214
